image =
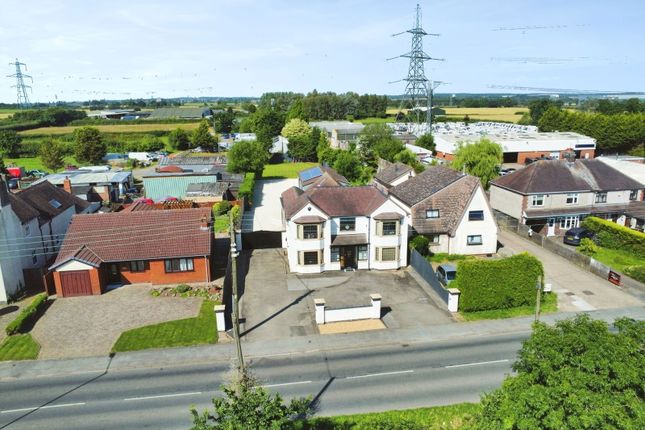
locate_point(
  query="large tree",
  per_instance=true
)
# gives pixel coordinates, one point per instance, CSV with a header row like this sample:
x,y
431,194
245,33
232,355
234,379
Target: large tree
x,y
426,141
481,159
179,139
9,143
296,128
575,375
377,140
52,155
203,138
247,156
266,123
349,165
223,122
248,405
89,146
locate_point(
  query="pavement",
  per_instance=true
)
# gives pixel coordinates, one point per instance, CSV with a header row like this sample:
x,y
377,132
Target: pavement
x,y
577,289
277,304
266,212
89,326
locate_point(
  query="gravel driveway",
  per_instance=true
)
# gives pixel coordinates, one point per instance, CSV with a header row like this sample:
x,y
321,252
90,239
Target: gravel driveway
x,y
89,326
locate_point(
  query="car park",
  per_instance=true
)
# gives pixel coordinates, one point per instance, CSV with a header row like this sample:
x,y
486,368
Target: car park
x,y
446,273
573,236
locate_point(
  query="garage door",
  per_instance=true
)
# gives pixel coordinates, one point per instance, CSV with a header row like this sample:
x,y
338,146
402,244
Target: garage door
x,y
76,283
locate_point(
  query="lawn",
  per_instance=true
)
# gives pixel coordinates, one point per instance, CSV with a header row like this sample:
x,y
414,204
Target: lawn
x,y
285,170
439,417
113,128
549,304
186,332
34,163
222,223
617,259
19,347
490,114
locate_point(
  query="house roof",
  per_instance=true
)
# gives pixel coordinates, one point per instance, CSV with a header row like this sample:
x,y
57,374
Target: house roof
x,y
309,219
633,169
334,201
321,176
47,200
129,236
553,176
23,211
393,171
388,216
427,183
451,202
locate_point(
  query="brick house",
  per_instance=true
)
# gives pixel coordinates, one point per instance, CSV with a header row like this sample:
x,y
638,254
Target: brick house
x,y
552,196
156,247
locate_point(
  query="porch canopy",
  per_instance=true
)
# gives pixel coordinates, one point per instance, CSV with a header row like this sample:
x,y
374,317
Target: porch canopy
x,y
349,239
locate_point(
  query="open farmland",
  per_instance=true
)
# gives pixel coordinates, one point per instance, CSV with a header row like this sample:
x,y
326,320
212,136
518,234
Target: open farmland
x,y
491,114
116,128
6,113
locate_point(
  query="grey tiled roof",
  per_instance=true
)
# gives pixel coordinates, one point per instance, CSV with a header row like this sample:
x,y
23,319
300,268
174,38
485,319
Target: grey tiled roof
x,y
392,172
425,184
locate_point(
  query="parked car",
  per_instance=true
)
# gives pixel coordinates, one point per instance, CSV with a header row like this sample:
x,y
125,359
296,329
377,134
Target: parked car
x,y
13,183
446,273
573,236
37,173
504,172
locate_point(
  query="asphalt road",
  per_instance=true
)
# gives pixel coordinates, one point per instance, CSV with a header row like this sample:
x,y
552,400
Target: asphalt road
x,y
342,381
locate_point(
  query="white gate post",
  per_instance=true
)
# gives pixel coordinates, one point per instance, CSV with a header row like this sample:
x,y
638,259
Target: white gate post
x,y
320,311
376,306
219,317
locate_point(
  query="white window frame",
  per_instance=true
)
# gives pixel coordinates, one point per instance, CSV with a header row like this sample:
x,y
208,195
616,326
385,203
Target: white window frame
x,y
535,198
600,198
573,197
346,220
470,240
308,235
434,239
334,253
304,260
432,213
633,195
567,222
475,219
392,249
361,253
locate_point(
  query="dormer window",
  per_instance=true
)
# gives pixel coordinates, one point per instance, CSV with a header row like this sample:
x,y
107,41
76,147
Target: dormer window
x,y
432,213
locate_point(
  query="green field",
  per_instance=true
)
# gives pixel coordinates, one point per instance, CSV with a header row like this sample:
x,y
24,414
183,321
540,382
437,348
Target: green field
x,y
34,163
112,128
376,120
450,417
186,332
285,170
6,113
19,347
486,114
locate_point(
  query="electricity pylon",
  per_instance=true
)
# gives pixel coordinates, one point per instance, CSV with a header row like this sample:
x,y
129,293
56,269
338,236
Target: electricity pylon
x,y
21,87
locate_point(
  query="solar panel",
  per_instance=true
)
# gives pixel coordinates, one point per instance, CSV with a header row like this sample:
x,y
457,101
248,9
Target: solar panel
x,y
310,174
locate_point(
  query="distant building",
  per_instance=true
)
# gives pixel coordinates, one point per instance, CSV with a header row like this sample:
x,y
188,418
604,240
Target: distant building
x,y
181,113
162,185
93,186
390,175
340,133
320,176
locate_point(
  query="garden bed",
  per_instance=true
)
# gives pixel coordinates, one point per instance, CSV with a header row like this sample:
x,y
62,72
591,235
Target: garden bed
x,y
210,292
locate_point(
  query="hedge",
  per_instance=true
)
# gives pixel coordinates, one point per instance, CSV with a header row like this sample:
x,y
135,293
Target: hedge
x,y
614,236
246,188
27,316
221,208
497,284
420,243
636,272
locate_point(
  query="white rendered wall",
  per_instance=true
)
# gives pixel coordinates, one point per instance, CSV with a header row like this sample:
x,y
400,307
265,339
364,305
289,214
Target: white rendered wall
x,y
506,201
486,228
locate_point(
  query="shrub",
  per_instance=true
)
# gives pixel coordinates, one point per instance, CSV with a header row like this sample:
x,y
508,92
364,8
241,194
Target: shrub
x,y
587,247
420,243
636,272
220,208
236,211
498,284
246,188
612,235
182,288
27,316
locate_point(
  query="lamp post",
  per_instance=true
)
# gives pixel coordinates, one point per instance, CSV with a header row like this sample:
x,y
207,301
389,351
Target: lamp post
x,y
236,310
538,287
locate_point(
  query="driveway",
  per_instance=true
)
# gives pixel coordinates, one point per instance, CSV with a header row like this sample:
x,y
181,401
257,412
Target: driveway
x,y
266,212
577,289
89,326
277,304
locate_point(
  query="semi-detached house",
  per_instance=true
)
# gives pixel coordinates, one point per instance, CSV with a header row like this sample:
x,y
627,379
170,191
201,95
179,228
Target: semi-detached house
x,y
343,228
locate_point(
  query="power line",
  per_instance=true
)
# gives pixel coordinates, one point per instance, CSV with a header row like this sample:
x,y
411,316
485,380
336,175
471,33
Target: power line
x,y
21,87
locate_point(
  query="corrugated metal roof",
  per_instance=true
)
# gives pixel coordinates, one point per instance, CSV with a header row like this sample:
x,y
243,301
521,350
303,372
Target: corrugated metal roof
x,y
161,186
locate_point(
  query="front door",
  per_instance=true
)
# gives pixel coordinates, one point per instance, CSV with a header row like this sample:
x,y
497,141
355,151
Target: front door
x,y
550,224
347,257
114,274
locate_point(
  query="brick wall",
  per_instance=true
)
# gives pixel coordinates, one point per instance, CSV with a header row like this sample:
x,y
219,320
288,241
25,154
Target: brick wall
x,y
155,273
96,281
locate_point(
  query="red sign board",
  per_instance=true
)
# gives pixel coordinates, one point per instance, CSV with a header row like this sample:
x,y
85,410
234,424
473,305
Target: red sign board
x,y
613,277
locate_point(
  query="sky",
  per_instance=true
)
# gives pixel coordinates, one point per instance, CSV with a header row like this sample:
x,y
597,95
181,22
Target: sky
x,y
81,50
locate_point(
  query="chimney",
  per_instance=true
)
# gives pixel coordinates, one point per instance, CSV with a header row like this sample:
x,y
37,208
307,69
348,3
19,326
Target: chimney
x,y
67,185
4,192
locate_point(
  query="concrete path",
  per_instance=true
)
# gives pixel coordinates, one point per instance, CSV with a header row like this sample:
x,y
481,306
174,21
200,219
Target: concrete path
x,y
266,212
89,326
577,289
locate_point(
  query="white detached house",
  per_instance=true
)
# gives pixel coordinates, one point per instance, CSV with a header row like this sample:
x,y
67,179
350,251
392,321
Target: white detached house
x,y
343,228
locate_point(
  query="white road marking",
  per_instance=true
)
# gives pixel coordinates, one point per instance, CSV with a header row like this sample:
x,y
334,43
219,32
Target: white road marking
x,y
477,364
399,372
162,396
64,405
287,383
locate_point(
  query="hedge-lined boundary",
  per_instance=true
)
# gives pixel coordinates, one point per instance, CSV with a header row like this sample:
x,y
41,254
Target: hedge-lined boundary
x,y
612,235
28,315
246,187
498,284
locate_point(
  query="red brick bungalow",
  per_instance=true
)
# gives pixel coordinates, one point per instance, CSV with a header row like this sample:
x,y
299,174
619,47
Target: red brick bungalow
x,y
157,247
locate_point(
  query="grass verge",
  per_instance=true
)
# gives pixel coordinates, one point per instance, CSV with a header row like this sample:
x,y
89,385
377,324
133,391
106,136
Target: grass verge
x,y
439,417
284,170
19,347
549,304
617,259
186,332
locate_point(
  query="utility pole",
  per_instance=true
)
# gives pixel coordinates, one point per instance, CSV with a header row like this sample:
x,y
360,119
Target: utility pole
x,y
236,310
433,86
538,287
21,87
417,89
